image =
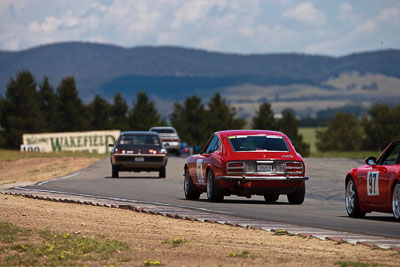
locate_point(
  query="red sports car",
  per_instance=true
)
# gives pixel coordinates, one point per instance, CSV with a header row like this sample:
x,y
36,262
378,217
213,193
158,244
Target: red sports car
x,y
245,163
375,186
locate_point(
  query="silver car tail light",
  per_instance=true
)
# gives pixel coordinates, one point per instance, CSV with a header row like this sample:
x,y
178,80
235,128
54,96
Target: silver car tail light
x,y
240,167
280,167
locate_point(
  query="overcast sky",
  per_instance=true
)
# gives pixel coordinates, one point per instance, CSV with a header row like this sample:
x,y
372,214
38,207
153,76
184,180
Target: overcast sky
x,y
327,27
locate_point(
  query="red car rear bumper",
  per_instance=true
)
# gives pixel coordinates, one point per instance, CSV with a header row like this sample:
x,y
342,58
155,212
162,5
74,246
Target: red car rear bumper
x,y
262,178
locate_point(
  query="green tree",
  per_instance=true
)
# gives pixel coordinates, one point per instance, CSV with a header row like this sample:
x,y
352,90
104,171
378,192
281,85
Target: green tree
x,y
381,126
144,115
48,105
118,114
71,113
99,112
264,118
20,110
344,133
289,125
190,121
220,116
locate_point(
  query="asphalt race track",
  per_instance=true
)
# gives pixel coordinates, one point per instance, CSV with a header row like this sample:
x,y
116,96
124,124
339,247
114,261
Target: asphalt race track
x,y
323,207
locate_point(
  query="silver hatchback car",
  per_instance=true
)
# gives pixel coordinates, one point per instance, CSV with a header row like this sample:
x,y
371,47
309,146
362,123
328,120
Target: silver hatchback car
x,y
169,137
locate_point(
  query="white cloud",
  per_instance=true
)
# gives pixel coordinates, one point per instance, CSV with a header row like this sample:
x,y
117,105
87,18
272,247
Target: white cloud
x,y
145,20
306,13
345,8
11,5
212,43
346,12
49,25
246,31
391,15
348,15
191,12
367,27
319,48
244,26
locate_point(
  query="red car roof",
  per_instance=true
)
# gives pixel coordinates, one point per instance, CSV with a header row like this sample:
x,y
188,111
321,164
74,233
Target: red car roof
x,y
249,132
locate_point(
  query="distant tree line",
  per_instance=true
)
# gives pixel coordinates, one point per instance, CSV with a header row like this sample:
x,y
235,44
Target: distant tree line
x,y
31,108
323,116
28,107
374,131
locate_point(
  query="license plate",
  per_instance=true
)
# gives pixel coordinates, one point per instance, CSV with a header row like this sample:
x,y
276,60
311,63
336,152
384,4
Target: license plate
x,y
139,159
264,168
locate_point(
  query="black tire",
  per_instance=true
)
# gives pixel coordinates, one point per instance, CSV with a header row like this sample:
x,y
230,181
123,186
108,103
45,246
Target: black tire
x,y
297,197
115,171
396,201
214,192
188,188
161,173
351,200
271,197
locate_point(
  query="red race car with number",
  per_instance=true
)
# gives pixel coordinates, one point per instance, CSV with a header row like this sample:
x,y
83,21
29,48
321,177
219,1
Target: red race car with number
x,y
245,163
375,186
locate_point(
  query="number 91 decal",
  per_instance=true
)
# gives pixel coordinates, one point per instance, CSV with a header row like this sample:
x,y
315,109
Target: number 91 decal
x,y
373,184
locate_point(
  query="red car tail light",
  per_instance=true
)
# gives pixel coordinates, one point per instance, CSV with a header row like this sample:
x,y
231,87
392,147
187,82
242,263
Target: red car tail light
x,y
235,167
294,167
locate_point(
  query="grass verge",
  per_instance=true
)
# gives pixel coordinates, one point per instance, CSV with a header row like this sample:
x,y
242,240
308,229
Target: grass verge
x,y
47,248
356,264
244,254
175,242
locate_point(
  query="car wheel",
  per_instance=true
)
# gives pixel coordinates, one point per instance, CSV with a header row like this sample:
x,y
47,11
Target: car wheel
x,y
396,202
297,197
188,188
214,193
115,173
271,197
161,173
351,199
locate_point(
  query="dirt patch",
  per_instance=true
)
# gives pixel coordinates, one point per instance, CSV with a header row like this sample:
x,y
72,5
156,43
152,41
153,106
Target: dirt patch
x,y
40,169
151,237
207,244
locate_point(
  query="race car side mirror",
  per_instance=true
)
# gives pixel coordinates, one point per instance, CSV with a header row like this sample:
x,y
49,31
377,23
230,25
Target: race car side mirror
x,y
110,145
370,161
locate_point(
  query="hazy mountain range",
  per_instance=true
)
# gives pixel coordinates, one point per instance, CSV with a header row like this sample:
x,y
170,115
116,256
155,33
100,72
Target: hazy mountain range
x,y
306,83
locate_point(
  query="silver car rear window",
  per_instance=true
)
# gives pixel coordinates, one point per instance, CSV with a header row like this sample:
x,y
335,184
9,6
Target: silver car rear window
x,y
171,131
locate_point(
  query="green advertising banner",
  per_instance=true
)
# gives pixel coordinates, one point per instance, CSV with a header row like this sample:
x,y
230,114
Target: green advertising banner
x,y
93,141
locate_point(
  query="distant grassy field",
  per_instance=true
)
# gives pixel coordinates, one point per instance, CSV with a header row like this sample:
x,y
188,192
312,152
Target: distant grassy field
x,y
345,154
10,155
309,136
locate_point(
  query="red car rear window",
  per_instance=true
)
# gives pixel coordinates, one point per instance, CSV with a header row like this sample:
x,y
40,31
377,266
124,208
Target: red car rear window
x,y
258,143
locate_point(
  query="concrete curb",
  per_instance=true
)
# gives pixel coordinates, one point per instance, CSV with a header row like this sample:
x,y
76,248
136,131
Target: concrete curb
x,y
203,216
